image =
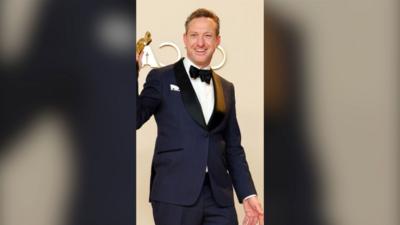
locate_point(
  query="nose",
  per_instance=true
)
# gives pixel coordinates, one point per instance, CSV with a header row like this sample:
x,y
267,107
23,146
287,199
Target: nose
x,y
200,42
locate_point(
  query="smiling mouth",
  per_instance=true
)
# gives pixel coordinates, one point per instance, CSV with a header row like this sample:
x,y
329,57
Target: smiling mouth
x,y
200,52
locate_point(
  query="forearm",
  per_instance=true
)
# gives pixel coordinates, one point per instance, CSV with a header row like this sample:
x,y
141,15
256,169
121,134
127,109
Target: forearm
x,y
240,174
236,157
148,100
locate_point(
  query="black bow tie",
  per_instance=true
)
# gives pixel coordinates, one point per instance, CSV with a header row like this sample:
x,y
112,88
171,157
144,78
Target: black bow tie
x,y
205,75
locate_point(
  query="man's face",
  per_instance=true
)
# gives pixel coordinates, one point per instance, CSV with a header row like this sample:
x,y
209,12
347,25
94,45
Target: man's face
x,y
201,40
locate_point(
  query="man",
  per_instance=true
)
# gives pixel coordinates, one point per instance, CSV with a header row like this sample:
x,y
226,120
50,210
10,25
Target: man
x,y
198,155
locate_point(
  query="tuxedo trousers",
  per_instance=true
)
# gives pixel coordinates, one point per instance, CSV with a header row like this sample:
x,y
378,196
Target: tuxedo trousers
x,y
205,211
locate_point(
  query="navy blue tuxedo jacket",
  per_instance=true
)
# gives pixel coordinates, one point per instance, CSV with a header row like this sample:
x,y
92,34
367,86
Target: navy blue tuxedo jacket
x,y
185,144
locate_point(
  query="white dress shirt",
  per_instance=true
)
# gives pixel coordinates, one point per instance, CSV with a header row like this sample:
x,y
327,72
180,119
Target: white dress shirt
x,y
204,91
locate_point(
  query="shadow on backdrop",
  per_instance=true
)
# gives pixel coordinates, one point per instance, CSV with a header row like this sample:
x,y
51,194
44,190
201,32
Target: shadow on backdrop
x,y
80,62
291,178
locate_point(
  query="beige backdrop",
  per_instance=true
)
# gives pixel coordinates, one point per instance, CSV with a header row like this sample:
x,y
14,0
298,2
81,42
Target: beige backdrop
x,y
242,38
352,89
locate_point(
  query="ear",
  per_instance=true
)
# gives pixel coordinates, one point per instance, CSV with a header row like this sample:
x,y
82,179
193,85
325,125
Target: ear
x,y
184,38
218,39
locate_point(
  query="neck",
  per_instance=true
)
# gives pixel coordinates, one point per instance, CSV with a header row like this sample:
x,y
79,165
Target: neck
x,y
198,66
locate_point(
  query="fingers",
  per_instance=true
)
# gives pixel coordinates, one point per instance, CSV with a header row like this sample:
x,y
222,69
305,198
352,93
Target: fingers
x,y
139,60
261,216
245,220
261,219
251,217
249,220
254,213
255,205
260,213
253,220
259,209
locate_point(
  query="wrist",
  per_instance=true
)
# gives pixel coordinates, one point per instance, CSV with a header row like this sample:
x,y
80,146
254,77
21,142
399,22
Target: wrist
x,y
248,197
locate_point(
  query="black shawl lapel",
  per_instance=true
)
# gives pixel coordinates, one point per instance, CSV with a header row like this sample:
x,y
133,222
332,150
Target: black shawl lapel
x,y
188,94
219,103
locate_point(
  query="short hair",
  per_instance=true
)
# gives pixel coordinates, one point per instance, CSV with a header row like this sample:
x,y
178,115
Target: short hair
x,y
202,13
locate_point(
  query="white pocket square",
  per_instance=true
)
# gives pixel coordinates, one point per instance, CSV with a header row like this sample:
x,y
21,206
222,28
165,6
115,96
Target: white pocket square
x,y
174,87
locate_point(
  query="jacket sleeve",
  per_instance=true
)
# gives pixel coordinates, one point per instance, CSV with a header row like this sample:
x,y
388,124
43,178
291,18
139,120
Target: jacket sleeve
x,y
149,99
236,158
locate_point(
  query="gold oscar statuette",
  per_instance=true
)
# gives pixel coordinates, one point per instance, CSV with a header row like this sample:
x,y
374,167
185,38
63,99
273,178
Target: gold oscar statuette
x,y
142,42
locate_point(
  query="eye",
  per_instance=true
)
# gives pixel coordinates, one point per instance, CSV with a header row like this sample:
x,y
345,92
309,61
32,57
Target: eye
x,y
209,36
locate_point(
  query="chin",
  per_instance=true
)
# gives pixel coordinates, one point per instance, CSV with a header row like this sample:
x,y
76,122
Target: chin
x,y
201,62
